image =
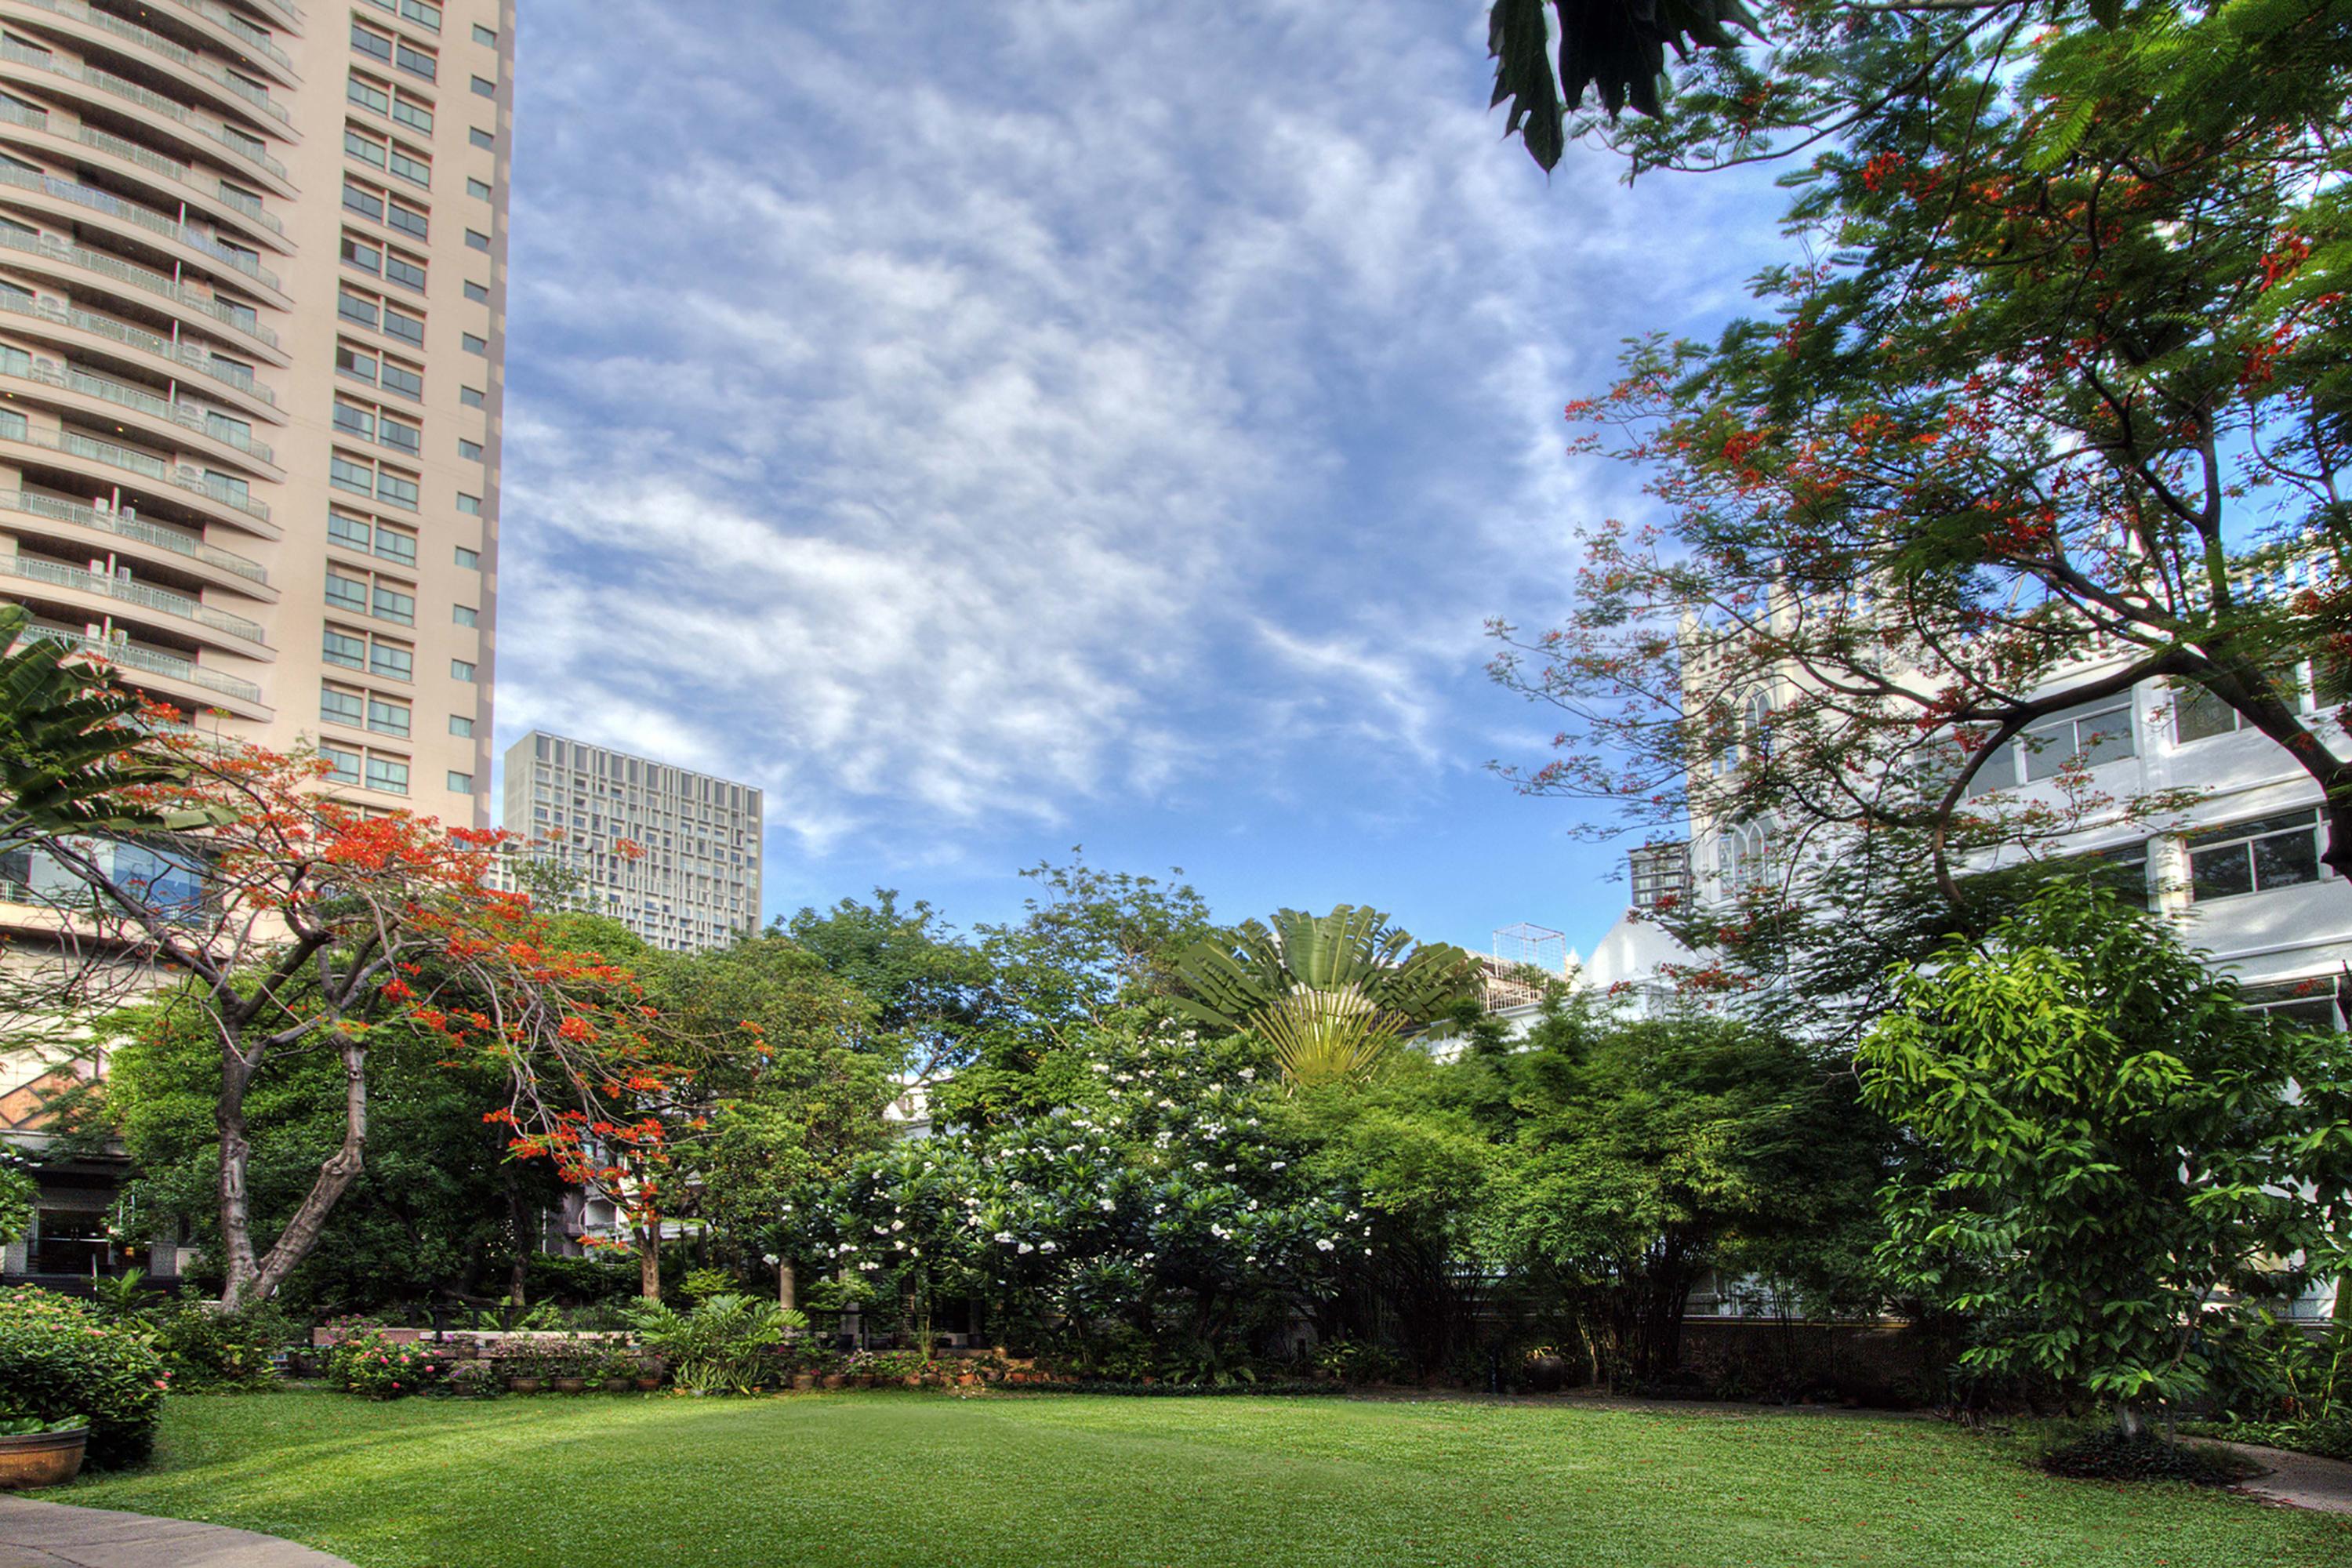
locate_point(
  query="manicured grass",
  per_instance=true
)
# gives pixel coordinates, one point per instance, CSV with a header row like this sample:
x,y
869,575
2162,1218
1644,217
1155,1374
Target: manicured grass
x,y
874,1479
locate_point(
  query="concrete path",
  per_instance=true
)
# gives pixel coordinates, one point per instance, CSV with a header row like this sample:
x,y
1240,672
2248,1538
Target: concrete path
x,y
35,1534
2299,1480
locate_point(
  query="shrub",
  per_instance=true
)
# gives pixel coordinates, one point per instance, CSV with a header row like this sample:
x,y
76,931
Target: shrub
x,y
205,1347
721,1347
2108,1454
366,1363
59,1358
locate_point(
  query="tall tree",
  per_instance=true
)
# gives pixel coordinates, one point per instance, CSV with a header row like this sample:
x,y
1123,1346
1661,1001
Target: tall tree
x,y
2058,405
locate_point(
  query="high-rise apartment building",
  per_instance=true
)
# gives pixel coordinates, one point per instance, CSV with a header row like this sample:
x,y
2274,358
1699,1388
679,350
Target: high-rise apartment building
x,y
672,854
252,309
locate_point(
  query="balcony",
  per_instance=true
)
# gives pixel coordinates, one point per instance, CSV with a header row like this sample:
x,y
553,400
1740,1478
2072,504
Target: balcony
x,y
192,185
154,103
185,414
235,33
162,601
182,356
65,252
185,64
106,202
168,666
119,526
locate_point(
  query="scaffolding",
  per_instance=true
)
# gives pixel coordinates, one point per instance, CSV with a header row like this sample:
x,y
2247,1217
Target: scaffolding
x,y
1526,961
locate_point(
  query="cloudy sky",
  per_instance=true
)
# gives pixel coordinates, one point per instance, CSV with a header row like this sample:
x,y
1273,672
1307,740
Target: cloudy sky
x,y
998,428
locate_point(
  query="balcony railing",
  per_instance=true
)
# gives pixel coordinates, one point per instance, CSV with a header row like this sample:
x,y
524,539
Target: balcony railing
x,y
153,162
153,102
252,38
90,197
154,663
125,527
163,600
137,276
157,44
184,354
187,415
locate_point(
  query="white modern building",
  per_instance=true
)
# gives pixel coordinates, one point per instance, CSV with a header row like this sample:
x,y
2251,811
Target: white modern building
x,y
670,853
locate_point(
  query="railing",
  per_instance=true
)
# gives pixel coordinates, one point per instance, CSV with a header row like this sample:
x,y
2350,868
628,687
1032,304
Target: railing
x,y
153,162
131,528
157,44
155,102
154,663
102,200
159,599
246,34
137,276
186,354
183,414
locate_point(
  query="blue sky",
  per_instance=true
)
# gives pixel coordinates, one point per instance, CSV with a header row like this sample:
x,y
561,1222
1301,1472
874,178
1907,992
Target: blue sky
x,y
998,428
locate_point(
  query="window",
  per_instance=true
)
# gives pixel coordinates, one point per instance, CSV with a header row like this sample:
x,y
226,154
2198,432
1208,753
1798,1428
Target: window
x,y
387,718
484,87
349,532
337,706
480,138
471,396
469,560
356,308
476,240
359,253
416,171
460,726
399,433
478,293
370,43
2198,715
345,650
2254,856
416,62
396,490
357,363
2123,868
1742,855
368,95
399,323
471,451
367,149
387,775
475,345
412,112
471,505
463,615
2095,732
354,420
475,187
2315,1004
357,198
407,219
391,661
424,13
394,603
461,784
345,592
461,669
406,271
395,544
402,380
342,766
484,37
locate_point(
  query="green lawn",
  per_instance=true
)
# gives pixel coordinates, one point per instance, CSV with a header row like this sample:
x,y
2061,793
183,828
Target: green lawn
x,y
882,1479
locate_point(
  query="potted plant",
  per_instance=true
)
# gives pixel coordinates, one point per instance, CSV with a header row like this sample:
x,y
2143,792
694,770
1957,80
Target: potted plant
x,y
617,1369
525,1373
568,1365
38,1453
649,1373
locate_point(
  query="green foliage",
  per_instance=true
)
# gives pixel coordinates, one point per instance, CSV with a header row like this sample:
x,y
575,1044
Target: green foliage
x,y
722,1346
1617,49
206,1347
59,1358
17,1193
365,1362
35,1426
2117,1163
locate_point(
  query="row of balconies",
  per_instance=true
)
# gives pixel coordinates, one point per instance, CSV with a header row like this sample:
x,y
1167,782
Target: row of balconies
x,y
191,180
191,416
208,133
62,253
129,591
181,356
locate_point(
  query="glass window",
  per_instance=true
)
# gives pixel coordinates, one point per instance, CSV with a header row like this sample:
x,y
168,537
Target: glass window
x,y
408,220
366,149
480,138
2095,732
392,604
353,307
461,669
2314,1004
356,420
476,240
356,362
342,766
471,396
2198,714
478,293
367,95
415,171
393,662
362,201
402,325
396,544
484,37
474,345
485,87
387,775
413,114
475,187
387,718
416,62
347,593
398,433
399,378
401,270
471,451
471,505
471,560
463,615
358,253
343,648
338,707
396,490
460,726
370,42
2255,857
462,784
349,530
424,13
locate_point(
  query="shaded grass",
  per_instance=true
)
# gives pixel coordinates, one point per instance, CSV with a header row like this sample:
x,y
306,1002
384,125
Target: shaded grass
x,y
917,1480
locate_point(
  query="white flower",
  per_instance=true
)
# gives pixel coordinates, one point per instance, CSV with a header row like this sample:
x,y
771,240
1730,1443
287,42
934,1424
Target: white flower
x,y
770,1258
1323,1244
1220,1231
1105,1205
1251,1259
1005,1237
1026,1248
897,1225
1281,1165
1367,1252
1049,1247
1249,1072
1233,1167
1199,1165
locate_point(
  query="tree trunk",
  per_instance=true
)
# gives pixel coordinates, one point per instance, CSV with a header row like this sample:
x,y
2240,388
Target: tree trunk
x,y
519,1222
336,1174
2128,1420
787,1291
649,1255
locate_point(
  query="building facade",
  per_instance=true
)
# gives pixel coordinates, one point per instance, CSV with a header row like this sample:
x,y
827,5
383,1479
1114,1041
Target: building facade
x,y
252,319
253,279
672,854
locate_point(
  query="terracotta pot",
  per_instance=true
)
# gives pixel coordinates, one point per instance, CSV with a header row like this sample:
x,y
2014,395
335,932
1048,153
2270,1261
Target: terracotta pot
x,y
804,1381
832,1379
966,1380
571,1385
914,1380
649,1381
522,1384
1546,1373
41,1459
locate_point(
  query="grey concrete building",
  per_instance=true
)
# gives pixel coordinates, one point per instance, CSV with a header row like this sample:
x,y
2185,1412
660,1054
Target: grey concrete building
x,y
671,853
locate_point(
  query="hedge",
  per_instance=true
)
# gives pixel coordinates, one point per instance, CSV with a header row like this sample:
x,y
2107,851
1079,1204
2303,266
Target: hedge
x,y
59,1358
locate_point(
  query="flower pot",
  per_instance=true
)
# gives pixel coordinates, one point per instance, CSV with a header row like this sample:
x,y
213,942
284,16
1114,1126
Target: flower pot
x,y
649,1381
834,1380
804,1381
1546,1373
522,1386
914,1380
966,1380
41,1459
571,1385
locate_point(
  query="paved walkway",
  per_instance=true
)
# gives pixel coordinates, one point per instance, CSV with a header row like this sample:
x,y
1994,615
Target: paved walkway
x,y
35,1534
2299,1480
